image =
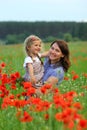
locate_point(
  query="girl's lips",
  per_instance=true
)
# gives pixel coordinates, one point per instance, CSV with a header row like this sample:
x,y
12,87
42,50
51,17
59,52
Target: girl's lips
x,y
38,50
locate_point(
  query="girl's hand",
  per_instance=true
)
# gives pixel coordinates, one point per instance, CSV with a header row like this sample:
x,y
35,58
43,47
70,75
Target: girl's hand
x,y
33,80
38,92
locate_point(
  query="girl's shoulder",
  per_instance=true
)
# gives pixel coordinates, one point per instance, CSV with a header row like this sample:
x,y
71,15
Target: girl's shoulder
x,y
27,60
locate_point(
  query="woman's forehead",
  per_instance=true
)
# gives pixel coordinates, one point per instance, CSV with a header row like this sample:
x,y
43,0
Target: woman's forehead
x,y
55,45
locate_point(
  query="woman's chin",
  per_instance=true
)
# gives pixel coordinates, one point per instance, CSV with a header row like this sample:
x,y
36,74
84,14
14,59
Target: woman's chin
x,y
52,58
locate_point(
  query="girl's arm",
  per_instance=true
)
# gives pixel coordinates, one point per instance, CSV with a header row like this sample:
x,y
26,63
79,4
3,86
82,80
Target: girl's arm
x,y
44,54
31,72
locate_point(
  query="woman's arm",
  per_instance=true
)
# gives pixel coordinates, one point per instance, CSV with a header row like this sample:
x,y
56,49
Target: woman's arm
x,y
52,80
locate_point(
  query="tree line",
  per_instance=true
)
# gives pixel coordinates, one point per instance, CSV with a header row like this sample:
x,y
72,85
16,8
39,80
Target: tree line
x,y
16,32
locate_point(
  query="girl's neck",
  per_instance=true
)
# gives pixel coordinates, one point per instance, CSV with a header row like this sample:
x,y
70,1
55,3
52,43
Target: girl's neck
x,y
32,55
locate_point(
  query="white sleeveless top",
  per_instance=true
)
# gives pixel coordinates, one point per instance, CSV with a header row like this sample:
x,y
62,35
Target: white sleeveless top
x,y
37,67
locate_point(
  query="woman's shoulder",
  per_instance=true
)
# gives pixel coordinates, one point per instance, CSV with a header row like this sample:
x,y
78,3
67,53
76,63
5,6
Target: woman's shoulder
x,y
46,59
60,74
60,70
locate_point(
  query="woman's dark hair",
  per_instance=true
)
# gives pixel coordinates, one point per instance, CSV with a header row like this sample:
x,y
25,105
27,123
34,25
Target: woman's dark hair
x,y
65,61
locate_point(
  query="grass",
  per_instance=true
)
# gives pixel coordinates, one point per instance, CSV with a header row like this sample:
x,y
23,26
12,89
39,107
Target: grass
x,y
13,56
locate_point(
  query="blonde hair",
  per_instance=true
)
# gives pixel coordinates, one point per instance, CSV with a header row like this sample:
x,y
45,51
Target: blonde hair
x,y
29,41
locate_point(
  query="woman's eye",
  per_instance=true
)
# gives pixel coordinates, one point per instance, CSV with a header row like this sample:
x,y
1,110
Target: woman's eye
x,y
52,48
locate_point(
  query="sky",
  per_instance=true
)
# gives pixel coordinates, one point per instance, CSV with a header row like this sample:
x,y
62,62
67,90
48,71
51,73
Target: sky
x,y
43,10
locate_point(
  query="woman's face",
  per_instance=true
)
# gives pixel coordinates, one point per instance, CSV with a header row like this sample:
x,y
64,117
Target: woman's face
x,y
55,53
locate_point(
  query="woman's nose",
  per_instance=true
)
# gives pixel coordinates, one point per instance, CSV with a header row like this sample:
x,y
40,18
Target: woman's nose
x,y
53,51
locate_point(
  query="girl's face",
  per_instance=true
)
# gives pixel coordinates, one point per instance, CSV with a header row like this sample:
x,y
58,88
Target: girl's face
x,y
35,48
55,53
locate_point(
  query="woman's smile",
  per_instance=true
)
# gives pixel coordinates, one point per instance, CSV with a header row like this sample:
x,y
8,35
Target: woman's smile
x,y
55,53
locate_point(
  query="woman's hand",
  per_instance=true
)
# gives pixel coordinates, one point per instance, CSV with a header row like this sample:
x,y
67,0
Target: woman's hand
x,y
52,80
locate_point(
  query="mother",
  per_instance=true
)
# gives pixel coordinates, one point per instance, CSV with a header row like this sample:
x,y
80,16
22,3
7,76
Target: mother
x,y
57,63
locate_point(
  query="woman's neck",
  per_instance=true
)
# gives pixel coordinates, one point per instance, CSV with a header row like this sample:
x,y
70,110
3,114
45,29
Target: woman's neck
x,y
54,61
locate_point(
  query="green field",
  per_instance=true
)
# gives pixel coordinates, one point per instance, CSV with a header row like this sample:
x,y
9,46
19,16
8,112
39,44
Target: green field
x,y
65,109
13,56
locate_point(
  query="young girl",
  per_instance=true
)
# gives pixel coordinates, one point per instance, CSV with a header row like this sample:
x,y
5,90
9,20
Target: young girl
x,y
32,63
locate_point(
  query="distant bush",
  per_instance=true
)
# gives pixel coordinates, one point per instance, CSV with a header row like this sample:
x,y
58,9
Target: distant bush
x,y
16,39
49,39
76,39
67,37
12,39
2,42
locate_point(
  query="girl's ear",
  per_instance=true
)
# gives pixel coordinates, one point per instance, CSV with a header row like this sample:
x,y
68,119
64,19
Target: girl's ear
x,y
27,48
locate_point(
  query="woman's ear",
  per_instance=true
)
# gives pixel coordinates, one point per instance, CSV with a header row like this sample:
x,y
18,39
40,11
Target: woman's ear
x,y
62,56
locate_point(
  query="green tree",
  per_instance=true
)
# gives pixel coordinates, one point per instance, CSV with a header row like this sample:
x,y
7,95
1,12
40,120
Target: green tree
x,y
11,39
67,37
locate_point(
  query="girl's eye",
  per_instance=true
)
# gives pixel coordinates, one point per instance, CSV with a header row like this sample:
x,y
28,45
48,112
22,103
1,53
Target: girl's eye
x,y
36,45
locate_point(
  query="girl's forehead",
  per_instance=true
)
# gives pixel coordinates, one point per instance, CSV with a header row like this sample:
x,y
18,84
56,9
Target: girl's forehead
x,y
37,42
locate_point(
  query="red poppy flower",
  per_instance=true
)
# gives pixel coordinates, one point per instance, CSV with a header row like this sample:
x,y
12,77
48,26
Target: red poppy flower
x,y
83,123
75,77
2,64
26,117
46,116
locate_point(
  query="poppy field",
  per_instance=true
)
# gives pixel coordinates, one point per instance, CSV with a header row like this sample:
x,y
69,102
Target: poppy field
x,y
65,108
